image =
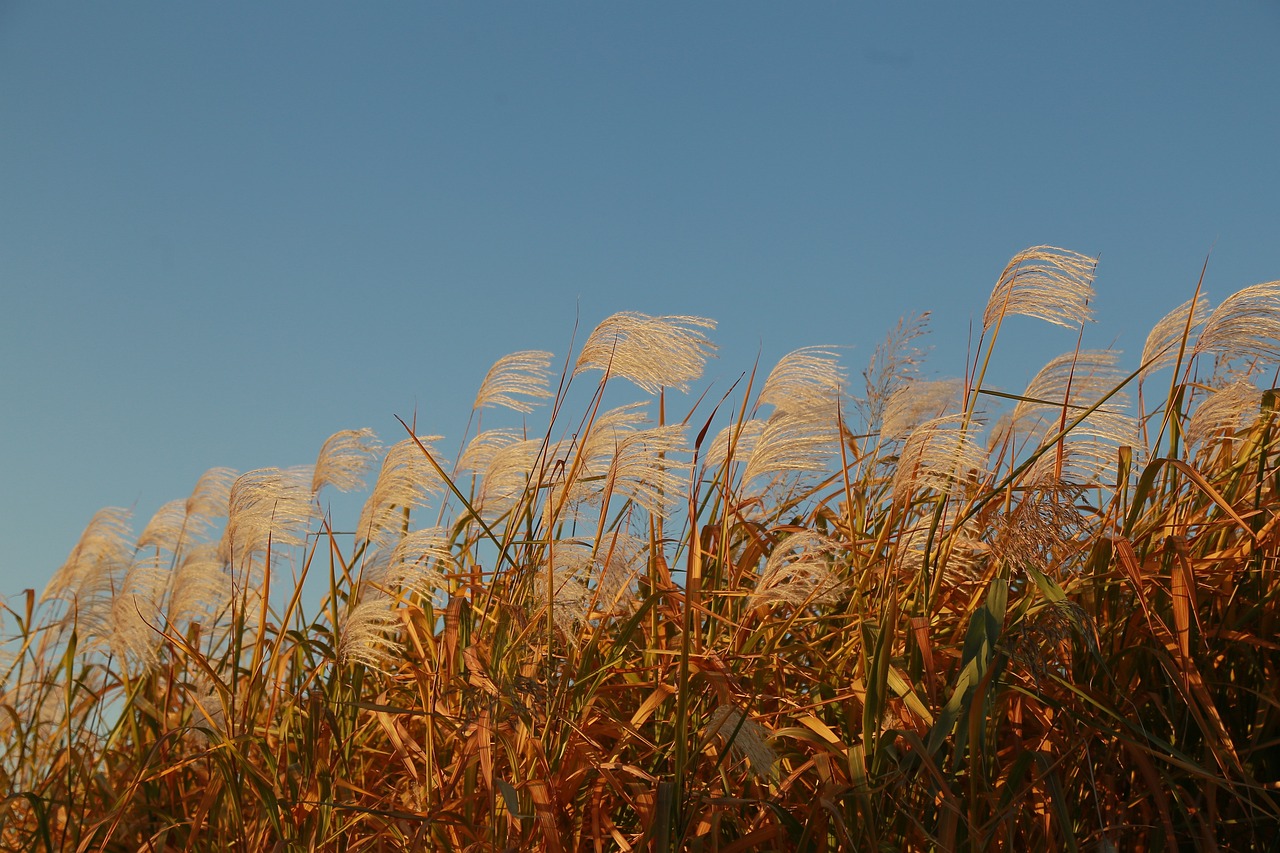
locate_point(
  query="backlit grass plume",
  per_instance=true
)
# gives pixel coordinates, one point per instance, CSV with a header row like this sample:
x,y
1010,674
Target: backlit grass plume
x,y
786,615
653,352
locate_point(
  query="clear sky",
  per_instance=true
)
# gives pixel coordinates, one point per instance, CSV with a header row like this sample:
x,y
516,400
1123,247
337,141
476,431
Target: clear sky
x,y
228,230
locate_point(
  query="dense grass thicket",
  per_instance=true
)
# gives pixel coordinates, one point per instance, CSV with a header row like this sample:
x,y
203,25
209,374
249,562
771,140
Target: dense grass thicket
x,y
808,612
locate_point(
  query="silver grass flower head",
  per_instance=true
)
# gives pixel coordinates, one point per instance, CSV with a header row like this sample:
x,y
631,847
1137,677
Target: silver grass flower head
x,y
644,469
165,530
799,572
1048,283
521,374
199,586
506,478
480,450
737,441
914,402
1091,449
407,480
420,561
652,352
1245,325
1226,412
1078,379
746,739
939,455
269,505
369,632
895,360
1165,337
104,546
136,620
808,381
789,444
593,578
211,495
344,460
590,460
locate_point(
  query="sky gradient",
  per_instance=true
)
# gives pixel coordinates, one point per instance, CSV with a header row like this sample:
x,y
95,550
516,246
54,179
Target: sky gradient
x,y
229,230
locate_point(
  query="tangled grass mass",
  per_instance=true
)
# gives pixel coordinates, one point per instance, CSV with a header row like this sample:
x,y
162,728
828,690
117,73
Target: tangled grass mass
x,y
810,613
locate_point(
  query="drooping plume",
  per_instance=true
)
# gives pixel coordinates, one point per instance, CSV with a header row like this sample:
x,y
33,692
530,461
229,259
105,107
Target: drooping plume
x,y
103,548
344,460
919,401
521,374
940,454
269,505
1165,338
799,572
1227,411
1044,282
1246,324
653,352
407,480
806,382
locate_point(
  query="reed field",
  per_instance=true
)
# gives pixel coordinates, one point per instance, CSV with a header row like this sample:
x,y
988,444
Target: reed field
x,y
822,609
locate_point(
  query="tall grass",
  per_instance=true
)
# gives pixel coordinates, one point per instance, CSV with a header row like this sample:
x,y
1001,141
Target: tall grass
x,y
805,614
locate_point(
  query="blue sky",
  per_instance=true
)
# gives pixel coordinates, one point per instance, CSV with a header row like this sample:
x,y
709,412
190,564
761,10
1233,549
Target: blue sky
x,y
229,230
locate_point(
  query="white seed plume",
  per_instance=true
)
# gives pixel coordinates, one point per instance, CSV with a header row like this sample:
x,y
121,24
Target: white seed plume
x,y
1090,452
1228,411
737,441
653,352
1044,282
166,528
344,460
940,454
1078,379
1165,338
521,374
591,579
269,505
407,480
745,738
790,444
644,469
368,633
914,402
1246,324
103,548
199,587
799,572
135,611
808,382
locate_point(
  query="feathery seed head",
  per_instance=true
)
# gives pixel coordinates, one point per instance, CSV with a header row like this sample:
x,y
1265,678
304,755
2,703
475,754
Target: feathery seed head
x,y
745,738
1228,411
939,454
103,548
1246,324
1165,338
914,402
798,572
166,528
407,480
1044,282
653,352
808,381
269,505
344,460
521,374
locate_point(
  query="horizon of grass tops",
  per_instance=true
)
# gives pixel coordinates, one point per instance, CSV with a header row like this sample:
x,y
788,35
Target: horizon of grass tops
x,y
809,614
